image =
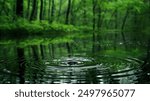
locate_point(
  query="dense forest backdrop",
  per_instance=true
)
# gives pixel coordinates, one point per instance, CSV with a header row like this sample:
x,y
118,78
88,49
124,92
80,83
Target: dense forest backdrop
x,y
120,28
96,14
128,17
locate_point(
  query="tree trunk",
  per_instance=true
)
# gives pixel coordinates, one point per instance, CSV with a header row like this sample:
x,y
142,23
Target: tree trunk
x,y
72,13
49,10
44,10
68,12
28,9
41,10
34,10
99,22
52,11
59,11
84,13
19,8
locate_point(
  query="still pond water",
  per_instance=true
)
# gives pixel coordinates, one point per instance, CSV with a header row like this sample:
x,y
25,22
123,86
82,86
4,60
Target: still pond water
x,y
64,59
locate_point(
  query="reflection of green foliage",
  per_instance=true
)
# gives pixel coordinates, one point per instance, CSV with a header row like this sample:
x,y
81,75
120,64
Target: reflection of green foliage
x,y
122,53
28,42
7,42
61,40
147,31
86,28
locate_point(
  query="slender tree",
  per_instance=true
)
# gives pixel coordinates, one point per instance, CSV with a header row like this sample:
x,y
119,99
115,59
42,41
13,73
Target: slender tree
x,y
49,10
44,10
52,11
28,9
72,13
19,8
99,22
67,22
41,10
34,10
68,12
60,8
84,12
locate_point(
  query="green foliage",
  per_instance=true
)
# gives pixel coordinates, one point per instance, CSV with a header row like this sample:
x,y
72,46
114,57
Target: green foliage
x,y
61,40
109,13
63,27
45,24
31,27
5,19
124,4
36,26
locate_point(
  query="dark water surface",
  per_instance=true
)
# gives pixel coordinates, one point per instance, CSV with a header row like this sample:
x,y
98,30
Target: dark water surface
x,y
66,59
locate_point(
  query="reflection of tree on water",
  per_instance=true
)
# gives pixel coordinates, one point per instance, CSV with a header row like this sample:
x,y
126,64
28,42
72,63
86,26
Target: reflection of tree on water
x,y
52,50
36,71
21,63
109,79
42,48
34,59
8,65
91,76
144,77
68,49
